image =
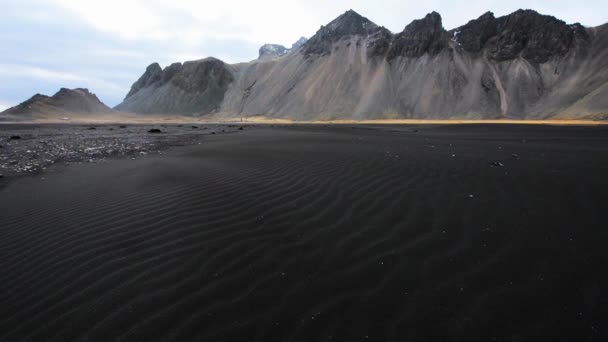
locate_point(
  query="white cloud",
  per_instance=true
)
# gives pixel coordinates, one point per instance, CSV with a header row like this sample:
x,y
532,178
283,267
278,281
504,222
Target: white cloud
x,y
73,80
36,72
189,22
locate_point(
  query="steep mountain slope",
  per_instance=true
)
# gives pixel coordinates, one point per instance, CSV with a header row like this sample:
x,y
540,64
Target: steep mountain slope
x,y
195,87
523,65
64,102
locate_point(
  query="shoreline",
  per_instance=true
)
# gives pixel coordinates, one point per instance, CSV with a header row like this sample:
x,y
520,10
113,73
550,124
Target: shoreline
x,y
267,121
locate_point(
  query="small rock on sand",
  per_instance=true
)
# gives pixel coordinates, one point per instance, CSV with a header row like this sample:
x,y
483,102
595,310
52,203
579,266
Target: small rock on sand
x,y
155,130
15,137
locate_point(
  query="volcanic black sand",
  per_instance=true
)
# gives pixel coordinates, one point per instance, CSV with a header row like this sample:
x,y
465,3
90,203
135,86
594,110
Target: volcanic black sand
x,y
317,233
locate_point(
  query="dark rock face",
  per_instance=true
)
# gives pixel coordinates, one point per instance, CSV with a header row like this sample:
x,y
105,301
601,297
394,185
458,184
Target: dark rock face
x,y
421,36
524,33
379,42
474,35
536,37
348,24
195,87
202,76
272,50
152,75
170,72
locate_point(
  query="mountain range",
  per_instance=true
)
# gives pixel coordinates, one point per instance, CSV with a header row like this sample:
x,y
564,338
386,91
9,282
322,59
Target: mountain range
x,y
524,65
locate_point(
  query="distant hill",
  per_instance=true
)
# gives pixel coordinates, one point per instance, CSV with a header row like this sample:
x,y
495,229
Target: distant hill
x,y
522,65
65,102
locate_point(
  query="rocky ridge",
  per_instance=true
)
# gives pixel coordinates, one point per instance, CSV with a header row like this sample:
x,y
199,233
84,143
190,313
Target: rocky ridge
x,y
522,65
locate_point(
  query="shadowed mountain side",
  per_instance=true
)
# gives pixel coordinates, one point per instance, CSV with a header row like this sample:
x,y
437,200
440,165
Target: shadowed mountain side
x,y
195,87
523,65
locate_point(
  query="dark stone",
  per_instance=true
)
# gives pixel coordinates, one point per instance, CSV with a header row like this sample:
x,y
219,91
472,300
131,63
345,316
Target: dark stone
x,y
92,128
194,127
241,128
123,126
422,36
155,130
15,137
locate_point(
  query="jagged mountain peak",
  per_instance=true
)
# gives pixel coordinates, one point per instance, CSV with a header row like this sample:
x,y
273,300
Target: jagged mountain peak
x,y
199,85
152,75
431,19
350,23
421,36
272,50
525,32
75,91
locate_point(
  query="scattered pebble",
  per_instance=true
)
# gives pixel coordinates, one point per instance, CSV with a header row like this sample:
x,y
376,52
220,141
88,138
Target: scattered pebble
x,y
155,130
76,144
496,164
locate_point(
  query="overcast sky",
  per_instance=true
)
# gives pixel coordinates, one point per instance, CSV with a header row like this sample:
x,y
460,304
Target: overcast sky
x,y
106,45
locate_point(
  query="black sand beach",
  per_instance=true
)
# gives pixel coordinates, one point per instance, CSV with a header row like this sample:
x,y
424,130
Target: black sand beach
x,y
316,233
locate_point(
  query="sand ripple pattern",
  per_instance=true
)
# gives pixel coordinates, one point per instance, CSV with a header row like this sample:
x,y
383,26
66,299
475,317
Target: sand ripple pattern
x,y
317,234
